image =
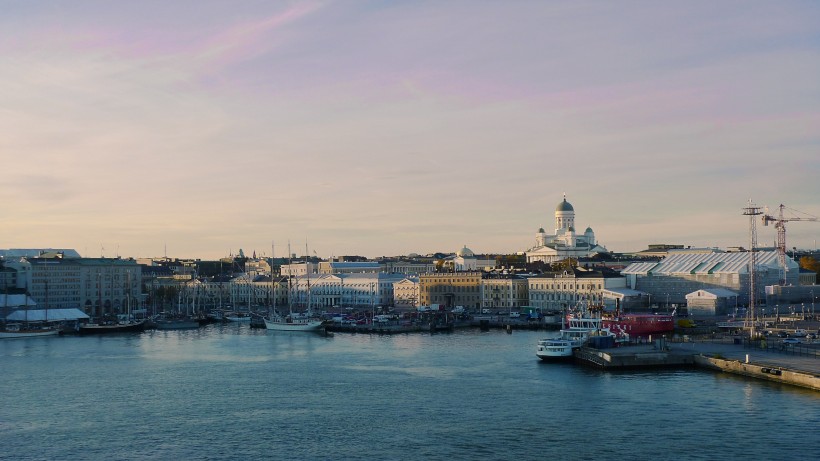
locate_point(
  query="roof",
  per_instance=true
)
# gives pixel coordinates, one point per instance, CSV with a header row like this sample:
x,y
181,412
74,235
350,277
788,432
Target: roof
x,y
712,293
17,300
702,264
354,264
50,315
622,292
564,206
35,252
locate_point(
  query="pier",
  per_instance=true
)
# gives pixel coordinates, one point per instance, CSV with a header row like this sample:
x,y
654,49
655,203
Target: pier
x,y
797,367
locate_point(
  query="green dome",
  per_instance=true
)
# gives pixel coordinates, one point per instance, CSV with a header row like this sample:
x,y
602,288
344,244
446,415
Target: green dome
x,y
564,206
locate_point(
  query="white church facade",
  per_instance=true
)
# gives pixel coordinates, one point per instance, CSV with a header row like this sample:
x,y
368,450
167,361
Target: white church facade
x,y
565,242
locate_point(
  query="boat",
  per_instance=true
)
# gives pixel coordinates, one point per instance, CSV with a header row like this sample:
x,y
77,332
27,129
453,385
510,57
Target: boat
x,y
16,330
26,330
123,323
639,325
579,330
111,327
237,317
293,322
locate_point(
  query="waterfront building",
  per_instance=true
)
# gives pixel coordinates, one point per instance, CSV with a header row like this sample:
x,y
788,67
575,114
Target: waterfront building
x,y
504,292
669,281
565,242
359,290
406,293
711,301
98,286
451,289
8,278
561,290
248,291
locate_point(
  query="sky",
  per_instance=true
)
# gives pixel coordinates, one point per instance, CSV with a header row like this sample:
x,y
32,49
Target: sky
x,y
194,129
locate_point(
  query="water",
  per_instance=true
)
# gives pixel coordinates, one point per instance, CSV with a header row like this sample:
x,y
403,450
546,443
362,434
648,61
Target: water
x,y
230,393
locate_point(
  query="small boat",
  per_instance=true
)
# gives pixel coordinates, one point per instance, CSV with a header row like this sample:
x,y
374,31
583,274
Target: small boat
x,y
15,331
292,323
237,317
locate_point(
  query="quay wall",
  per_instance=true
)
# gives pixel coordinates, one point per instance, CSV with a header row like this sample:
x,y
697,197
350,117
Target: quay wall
x,y
635,357
777,374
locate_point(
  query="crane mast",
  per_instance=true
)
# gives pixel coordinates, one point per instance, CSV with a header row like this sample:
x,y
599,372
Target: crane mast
x,y
751,315
780,225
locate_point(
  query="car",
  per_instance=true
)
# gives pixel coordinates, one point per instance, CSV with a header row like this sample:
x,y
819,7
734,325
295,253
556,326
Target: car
x,y
782,334
515,314
799,333
811,336
791,341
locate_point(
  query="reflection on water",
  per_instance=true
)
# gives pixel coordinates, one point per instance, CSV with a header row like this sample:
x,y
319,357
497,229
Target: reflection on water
x,y
231,392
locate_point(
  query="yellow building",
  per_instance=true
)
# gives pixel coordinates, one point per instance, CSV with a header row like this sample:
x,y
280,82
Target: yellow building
x,y
451,289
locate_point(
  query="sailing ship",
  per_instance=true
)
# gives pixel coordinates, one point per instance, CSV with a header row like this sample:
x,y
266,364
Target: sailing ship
x,y
16,330
293,322
26,330
118,325
178,320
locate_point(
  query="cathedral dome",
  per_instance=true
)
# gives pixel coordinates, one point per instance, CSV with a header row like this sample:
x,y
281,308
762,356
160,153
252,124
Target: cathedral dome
x,y
589,230
564,206
465,252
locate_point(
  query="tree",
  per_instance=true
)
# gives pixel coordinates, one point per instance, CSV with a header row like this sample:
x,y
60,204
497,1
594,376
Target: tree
x,y
810,263
565,264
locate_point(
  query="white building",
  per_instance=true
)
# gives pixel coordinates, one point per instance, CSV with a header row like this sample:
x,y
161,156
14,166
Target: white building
x,y
565,242
558,291
406,293
346,290
466,260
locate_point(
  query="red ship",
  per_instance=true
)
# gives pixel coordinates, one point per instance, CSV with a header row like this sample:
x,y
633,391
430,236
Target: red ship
x,y
639,325
624,325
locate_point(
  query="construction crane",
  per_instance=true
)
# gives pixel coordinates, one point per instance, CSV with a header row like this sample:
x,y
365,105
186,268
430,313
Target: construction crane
x,y
780,224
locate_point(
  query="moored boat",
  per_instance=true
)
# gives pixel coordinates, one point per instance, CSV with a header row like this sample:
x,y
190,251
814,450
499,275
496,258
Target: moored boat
x,y
290,323
113,327
577,333
15,331
639,325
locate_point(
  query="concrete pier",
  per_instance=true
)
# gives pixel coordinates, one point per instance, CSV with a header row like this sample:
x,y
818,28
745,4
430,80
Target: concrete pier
x,y
795,370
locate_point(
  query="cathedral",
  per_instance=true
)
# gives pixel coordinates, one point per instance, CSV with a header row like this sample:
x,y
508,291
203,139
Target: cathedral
x,y
565,243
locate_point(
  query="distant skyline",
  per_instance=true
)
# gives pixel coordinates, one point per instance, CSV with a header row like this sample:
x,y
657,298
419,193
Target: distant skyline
x,y
384,128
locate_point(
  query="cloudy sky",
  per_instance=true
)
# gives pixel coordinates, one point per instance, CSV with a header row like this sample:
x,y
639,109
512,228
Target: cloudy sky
x,y
385,128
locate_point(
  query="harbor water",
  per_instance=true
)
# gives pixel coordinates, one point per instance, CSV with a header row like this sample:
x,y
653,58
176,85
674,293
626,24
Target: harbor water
x,y
228,392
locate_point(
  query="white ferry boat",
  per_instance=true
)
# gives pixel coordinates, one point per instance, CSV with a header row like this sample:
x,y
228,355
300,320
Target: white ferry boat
x,y
578,332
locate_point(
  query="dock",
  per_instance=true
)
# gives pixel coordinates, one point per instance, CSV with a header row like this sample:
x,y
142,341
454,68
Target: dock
x,y
783,366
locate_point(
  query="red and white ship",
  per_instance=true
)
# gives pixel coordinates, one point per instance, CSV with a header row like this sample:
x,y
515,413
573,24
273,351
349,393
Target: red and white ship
x,y
635,325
